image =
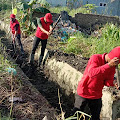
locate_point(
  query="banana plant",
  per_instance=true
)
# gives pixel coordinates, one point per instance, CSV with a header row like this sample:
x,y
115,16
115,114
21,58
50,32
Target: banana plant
x,y
27,10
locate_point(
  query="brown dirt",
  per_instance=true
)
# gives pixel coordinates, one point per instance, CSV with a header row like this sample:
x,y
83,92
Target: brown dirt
x,y
37,77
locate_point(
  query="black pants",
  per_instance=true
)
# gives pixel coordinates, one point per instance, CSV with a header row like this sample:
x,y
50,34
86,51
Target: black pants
x,y
94,105
18,40
35,45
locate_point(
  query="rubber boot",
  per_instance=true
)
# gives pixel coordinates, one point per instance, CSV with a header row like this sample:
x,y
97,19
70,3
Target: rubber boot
x,y
40,60
31,59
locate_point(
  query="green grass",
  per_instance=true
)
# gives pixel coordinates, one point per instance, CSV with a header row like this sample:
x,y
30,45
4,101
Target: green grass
x,y
83,9
77,45
108,37
69,11
5,5
59,9
5,63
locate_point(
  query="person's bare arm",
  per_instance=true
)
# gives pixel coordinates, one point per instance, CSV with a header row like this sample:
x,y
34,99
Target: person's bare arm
x,y
16,31
13,36
40,26
50,31
44,30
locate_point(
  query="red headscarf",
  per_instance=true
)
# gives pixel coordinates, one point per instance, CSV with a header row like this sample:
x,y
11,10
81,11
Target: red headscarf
x,y
12,16
115,52
48,17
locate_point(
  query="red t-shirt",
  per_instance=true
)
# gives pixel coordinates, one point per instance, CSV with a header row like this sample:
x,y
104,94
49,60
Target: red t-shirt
x,y
40,34
13,26
96,75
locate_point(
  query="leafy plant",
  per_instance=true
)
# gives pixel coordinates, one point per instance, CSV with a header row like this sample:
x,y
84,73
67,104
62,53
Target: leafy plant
x,y
110,38
89,8
26,10
73,3
44,3
5,4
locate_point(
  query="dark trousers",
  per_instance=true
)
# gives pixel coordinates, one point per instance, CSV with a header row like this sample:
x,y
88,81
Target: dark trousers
x,y
94,105
35,45
18,39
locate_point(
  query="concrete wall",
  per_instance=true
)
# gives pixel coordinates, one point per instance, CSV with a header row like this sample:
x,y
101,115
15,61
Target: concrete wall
x,y
57,3
85,20
89,20
105,7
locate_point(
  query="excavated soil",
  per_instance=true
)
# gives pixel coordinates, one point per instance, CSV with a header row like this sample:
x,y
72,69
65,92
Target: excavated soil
x,y
37,77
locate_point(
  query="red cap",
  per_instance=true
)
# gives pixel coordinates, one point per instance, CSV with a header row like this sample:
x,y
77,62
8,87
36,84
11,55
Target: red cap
x,y
48,17
115,52
12,16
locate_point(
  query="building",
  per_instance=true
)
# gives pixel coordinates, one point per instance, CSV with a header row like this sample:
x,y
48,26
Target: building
x,y
57,2
106,7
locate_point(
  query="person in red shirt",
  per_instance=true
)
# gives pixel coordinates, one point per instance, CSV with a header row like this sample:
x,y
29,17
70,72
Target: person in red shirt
x,y
43,31
15,31
99,71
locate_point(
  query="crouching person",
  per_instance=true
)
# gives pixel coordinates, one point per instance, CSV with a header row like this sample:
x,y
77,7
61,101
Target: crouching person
x,y
100,71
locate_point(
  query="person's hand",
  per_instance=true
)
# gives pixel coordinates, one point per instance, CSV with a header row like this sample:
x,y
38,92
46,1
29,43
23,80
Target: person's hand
x,y
13,40
116,85
47,33
50,33
114,62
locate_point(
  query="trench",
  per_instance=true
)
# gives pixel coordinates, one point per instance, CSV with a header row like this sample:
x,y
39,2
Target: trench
x,y
37,77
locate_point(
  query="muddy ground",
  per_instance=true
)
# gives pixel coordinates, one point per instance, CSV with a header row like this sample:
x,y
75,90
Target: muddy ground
x,y
37,77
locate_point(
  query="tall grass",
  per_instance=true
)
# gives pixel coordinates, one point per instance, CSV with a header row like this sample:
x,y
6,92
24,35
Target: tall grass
x,y
59,9
108,37
5,5
78,10
4,76
78,45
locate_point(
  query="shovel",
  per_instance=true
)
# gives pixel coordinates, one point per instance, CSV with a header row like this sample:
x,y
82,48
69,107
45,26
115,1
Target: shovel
x,y
56,23
117,74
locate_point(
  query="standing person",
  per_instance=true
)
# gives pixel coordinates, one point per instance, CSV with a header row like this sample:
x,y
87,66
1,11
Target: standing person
x,y
44,29
15,31
100,71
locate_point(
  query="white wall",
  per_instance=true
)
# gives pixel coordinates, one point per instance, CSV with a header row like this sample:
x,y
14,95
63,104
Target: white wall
x,y
57,2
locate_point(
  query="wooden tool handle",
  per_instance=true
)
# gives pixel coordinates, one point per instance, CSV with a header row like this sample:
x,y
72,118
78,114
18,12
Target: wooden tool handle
x,y
117,74
56,23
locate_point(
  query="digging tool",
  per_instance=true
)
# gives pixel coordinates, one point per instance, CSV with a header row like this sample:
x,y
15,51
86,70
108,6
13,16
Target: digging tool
x,y
14,45
117,74
56,23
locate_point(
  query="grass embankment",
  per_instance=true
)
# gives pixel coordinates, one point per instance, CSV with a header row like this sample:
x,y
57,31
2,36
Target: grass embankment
x,y
6,89
6,85
101,41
